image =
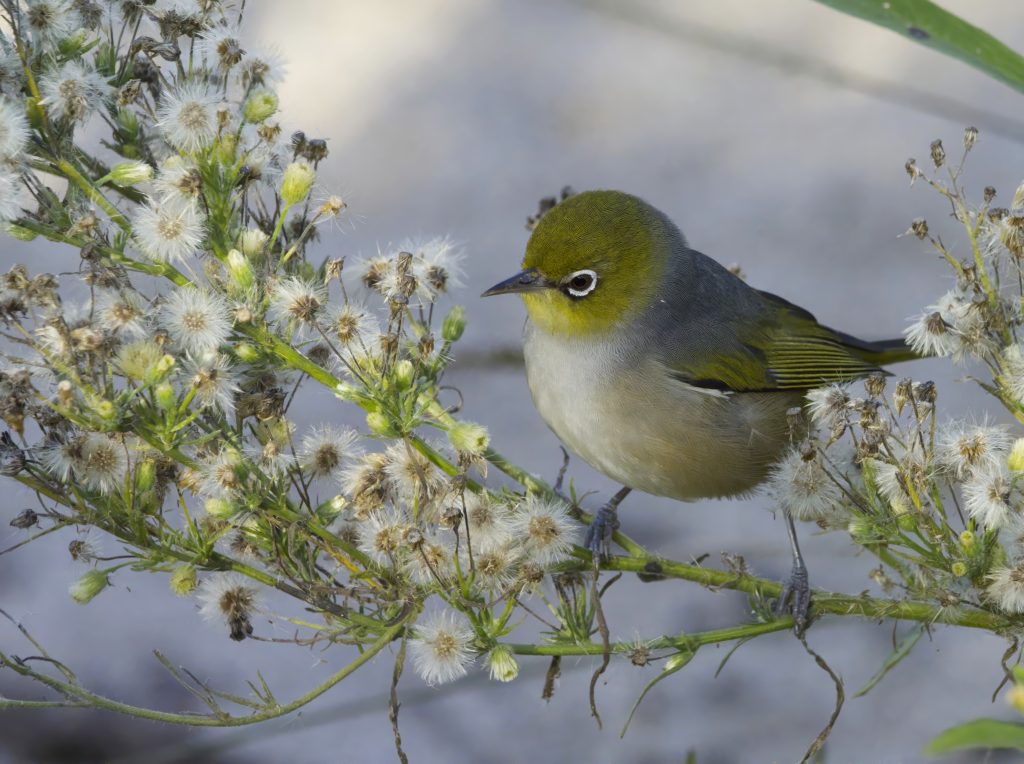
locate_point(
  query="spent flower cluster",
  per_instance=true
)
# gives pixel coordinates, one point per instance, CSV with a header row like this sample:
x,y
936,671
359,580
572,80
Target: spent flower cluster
x,y
940,502
149,395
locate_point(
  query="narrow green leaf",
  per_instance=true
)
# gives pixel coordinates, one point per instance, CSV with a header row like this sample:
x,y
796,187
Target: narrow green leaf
x,y
926,23
674,663
901,651
981,733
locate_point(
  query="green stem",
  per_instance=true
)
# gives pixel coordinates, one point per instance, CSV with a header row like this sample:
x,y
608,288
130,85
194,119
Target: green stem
x,y
165,270
82,698
686,642
822,602
68,171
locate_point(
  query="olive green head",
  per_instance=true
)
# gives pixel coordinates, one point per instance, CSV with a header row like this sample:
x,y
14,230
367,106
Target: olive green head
x,y
593,262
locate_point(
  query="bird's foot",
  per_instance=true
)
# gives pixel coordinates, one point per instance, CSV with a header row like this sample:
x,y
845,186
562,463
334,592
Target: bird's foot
x,y
795,598
599,533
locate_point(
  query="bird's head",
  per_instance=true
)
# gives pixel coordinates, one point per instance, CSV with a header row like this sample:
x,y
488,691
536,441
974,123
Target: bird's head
x,y
594,262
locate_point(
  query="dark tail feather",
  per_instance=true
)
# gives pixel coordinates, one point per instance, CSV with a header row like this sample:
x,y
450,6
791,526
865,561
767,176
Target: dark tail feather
x,y
881,352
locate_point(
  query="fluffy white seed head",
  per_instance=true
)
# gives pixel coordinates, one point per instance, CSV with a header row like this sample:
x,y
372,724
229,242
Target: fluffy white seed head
x,y
122,313
296,300
963,448
991,497
50,21
545,530
168,229
1006,588
14,131
188,116
442,647
73,92
828,404
197,321
325,448
382,537
231,599
802,487
214,380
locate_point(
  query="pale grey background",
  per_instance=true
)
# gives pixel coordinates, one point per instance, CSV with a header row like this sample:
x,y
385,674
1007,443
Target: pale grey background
x,y
455,117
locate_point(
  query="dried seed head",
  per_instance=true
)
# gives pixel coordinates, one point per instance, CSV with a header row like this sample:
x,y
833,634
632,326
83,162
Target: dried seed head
x,y
228,597
269,132
1018,197
938,153
81,550
919,228
875,384
912,169
970,137
25,519
1011,231
333,269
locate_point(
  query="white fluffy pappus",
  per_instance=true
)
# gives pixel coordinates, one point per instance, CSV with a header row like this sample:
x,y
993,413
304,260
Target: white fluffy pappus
x,y
442,647
188,116
197,321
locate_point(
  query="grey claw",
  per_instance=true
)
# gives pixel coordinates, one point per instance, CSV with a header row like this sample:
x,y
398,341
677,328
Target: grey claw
x,y
599,533
795,599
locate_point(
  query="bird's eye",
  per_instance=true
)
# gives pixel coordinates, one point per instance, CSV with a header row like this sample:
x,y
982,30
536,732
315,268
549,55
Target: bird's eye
x,y
581,283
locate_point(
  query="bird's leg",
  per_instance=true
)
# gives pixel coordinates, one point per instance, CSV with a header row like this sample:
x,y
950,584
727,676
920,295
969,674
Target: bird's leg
x,y
796,592
599,534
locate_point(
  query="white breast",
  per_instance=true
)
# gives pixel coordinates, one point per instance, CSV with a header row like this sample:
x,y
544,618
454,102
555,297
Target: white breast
x,y
629,419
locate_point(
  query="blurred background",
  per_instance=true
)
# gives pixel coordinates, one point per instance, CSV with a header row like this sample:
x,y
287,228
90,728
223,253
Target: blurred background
x,y
775,135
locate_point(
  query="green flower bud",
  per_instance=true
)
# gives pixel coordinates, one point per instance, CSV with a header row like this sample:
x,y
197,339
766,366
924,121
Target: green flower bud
x,y
164,365
503,665
260,105
19,233
379,424
469,438
252,241
334,507
166,397
454,324
183,580
1015,697
145,475
297,181
88,586
347,392
1015,461
405,374
72,45
240,270
958,569
968,541
246,352
105,410
130,173
128,122
218,508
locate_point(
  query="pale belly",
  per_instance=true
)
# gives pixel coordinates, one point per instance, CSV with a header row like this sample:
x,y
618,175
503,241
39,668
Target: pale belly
x,y
631,421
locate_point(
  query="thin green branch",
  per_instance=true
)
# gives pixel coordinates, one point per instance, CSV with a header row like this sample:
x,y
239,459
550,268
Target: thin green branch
x,y
822,602
82,698
65,168
683,642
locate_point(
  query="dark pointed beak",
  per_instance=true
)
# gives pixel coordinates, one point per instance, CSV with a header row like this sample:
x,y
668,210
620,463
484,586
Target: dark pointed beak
x,y
529,280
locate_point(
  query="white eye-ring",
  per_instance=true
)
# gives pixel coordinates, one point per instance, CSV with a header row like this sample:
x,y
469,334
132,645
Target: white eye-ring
x,y
581,283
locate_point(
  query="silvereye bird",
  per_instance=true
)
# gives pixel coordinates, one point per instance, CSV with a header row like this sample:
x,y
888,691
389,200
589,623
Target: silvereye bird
x,y
662,369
